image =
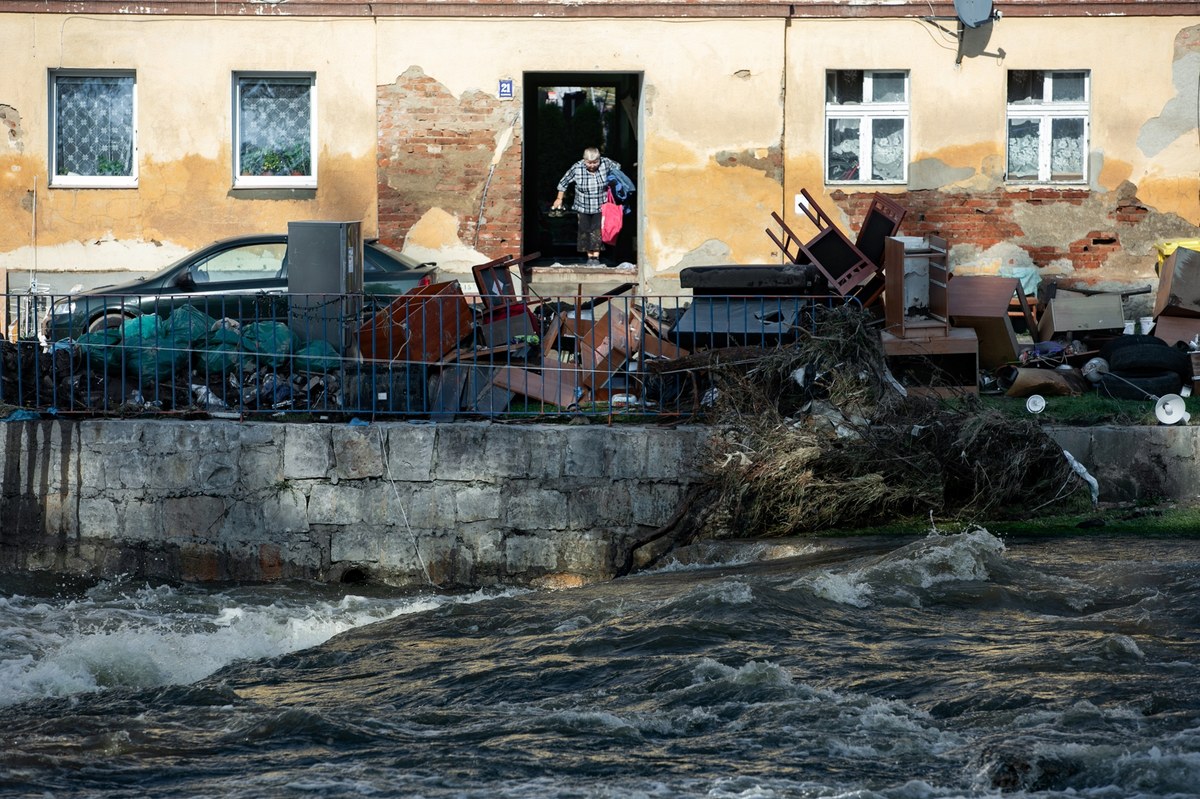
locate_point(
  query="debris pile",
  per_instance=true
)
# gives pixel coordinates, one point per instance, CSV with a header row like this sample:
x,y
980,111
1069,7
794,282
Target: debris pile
x,y
817,435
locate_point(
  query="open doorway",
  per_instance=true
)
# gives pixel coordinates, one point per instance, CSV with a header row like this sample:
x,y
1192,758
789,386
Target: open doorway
x,y
566,112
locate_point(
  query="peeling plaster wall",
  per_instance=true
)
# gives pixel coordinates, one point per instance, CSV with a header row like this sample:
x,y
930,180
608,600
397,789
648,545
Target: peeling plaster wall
x,y
711,129
731,126
184,198
1144,156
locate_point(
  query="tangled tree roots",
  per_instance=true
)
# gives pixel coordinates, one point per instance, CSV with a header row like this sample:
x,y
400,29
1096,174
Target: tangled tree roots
x,y
817,435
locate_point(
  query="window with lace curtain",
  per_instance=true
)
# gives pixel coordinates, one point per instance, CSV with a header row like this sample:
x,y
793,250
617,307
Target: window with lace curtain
x,y
1048,121
93,129
274,131
866,126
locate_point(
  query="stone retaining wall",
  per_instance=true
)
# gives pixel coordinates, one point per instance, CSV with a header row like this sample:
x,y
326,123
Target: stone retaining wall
x,y
456,505
452,504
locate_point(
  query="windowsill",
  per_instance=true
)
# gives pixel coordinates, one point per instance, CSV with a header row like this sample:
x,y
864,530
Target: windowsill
x,y
275,185
1046,184
93,183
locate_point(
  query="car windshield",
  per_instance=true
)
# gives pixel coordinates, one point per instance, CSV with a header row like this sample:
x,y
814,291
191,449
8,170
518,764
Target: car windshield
x,y
382,258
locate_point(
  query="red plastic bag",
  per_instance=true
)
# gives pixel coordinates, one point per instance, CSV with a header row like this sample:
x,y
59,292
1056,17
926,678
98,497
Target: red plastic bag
x,y
611,217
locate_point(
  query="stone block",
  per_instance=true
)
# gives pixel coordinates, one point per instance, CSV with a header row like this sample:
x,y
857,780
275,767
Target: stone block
x,y
285,511
598,506
475,503
340,504
358,452
588,553
410,452
654,503
627,451
216,472
431,508
198,517
59,514
523,553
140,520
359,544
458,453
527,506
110,435
545,445
586,452
307,452
260,466
98,517
672,455
242,522
506,451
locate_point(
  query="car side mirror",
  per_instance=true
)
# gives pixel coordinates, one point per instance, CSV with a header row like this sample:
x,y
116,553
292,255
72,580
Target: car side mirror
x,y
184,280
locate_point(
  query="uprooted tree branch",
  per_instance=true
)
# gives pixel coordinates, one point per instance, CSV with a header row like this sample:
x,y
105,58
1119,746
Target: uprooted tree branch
x,y
818,435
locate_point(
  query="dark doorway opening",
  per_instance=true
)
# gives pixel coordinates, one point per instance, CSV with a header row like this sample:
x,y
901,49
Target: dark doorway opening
x,y
566,112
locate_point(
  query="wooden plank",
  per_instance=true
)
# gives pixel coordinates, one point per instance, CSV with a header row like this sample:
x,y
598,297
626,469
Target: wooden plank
x,y
958,340
997,339
447,392
982,295
555,391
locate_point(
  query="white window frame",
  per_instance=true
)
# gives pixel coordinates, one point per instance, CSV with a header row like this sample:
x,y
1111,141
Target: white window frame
x,y
58,181
866,113
1044,113
241,181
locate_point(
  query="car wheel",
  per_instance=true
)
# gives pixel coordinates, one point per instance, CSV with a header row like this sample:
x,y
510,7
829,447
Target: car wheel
x,y
1137,387
109,320
1151,359
1129,340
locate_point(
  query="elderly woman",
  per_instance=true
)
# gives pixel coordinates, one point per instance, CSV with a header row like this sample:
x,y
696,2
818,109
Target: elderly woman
x,y
590,176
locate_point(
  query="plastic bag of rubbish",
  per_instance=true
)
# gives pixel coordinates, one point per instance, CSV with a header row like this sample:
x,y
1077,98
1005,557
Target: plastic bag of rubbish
x,y
188,324
218,353
271,391
101,348
266,344
206,399
317,356
148,348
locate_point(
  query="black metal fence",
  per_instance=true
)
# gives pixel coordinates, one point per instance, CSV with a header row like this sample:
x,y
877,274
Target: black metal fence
x,y
430,354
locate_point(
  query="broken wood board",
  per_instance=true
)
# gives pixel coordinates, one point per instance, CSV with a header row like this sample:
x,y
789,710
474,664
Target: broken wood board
x,y
554,389
446,392
981,302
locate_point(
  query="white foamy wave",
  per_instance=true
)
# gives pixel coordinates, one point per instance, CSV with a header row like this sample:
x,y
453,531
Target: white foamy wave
x,y
164,636
754,673
723,592
844,589
897,576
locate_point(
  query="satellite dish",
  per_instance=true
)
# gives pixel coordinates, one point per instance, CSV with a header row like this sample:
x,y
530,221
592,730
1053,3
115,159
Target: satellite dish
x,y
973,13
1170,409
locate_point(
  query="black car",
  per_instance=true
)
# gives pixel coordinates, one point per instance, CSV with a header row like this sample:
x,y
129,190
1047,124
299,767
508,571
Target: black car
x,y
243,278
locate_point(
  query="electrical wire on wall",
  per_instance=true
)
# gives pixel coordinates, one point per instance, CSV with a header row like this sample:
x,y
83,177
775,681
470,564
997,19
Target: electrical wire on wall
x,y
500,148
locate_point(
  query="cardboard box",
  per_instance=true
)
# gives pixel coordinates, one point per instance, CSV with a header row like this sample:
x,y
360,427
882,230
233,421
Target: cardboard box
x,y
1069,314
1173,329
1179,285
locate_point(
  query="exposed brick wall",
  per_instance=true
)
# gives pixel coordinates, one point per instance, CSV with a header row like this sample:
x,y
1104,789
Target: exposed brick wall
x,y
435,150
986,218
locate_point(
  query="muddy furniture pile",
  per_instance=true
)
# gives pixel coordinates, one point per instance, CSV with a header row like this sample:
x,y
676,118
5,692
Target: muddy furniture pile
x,y
515,352
951,335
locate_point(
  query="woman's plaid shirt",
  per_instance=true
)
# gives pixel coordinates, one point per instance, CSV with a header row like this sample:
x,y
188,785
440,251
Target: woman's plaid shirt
x,y
589,186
